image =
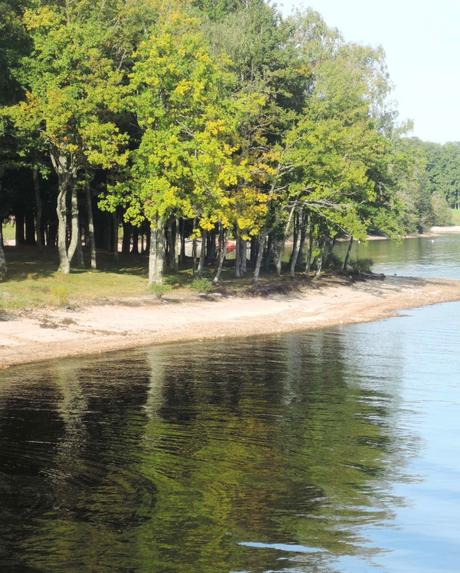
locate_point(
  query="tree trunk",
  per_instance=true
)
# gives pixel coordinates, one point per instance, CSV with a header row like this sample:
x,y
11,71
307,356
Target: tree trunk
x,y
135,247
269,255
126,242
92,241
75,238
243,256
295,247
194,248
254,251
182,242
30,228
115,234
303,236
3,267
211,251
310,251
347,256
147,240
260,254
79,253
171,242
204,236
222,253
237,256
38,209
61,211
279,250
295,237
19,228
157,253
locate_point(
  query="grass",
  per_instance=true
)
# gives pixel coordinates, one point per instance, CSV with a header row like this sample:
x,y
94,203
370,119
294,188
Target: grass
x,y
455,216
34,282
8,232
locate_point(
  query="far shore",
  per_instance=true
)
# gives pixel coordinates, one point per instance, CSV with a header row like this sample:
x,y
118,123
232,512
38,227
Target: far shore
x,y
140,321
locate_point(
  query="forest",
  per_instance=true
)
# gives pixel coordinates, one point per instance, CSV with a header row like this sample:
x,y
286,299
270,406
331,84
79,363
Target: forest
x,y
203,134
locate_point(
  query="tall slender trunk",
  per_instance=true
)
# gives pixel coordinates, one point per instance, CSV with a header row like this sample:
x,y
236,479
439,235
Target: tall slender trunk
x,y
75,238
92,241
38,209
243,256
310,251
79,252
347,256
204,236
296,246
171,243
126,242
135,247
115,234
30,228
303,236
182,242
19,235
147,240
253,250
222,253
269,254
260,254
3,267
157,253
194,248
61,212
319,265
295,237
278,254
237,256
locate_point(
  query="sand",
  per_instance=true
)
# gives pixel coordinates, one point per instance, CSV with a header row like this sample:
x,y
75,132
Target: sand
x,y
129,323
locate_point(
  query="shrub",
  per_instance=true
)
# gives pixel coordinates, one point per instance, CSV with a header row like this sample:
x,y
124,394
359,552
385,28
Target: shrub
x,y
159,290
202,285
361,266
59,295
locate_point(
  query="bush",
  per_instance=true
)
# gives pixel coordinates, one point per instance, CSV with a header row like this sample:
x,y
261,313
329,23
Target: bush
x,y
159,290
441,211
59,295
334,262
202,285
361,266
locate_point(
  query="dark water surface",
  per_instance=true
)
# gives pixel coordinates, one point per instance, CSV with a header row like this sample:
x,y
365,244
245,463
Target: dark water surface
x,y
331,451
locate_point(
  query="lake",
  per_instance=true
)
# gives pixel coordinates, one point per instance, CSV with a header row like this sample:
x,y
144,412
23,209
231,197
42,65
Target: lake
x,y
335,451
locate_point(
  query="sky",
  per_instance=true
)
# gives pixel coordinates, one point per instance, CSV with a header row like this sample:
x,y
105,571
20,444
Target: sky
x,y
421,39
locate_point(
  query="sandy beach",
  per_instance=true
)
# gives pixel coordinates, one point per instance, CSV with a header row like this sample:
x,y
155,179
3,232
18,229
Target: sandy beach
x,y
57,333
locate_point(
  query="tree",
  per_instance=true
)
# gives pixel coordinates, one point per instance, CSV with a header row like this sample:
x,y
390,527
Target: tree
x,y
184,160
72,90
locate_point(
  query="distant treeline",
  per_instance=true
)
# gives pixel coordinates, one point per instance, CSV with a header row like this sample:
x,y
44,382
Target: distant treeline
x,y
203,120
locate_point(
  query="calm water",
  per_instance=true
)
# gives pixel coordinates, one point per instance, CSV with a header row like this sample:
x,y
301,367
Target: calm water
x,y
333,451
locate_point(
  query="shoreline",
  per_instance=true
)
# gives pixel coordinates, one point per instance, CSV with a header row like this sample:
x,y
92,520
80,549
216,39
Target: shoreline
x,y
132,323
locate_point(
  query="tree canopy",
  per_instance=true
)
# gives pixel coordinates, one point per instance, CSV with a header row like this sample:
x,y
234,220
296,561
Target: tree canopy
x,y
222,121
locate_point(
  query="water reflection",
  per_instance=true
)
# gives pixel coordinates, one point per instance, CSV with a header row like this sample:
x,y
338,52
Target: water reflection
x,y
259,455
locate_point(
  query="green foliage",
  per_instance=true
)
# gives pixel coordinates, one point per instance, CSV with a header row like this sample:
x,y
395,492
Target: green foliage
x,y
441,211
71,88
159,290
358,266
183,163
222,115
59,295
202,285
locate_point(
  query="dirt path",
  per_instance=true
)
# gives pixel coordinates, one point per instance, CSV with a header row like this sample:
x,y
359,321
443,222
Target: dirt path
x,y
100,328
